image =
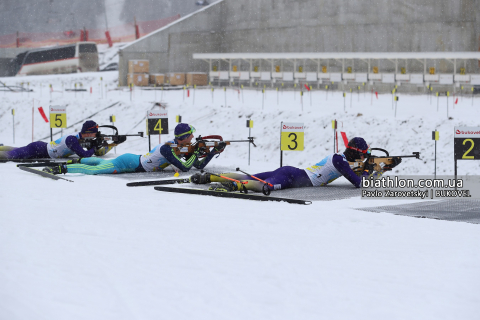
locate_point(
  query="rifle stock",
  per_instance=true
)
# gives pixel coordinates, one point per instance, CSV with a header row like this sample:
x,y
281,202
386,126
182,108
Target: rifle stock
x,y
378,162
206,144
101,139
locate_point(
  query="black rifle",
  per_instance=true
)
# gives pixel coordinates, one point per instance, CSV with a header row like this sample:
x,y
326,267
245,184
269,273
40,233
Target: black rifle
x,y
100,140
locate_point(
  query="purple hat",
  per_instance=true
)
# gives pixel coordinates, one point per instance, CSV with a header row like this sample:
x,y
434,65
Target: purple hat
x,y
183,130
89,126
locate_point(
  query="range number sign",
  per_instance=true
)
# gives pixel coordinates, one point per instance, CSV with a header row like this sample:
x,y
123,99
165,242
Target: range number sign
x,y
157,122
292,136
58,117
466,143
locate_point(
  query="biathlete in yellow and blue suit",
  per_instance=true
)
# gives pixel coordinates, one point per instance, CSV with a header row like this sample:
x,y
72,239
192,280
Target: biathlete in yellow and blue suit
x,y
157,159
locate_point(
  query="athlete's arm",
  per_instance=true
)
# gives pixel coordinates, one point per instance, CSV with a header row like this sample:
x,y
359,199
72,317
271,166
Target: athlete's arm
x,y
200,164
171,157
72,144
341,164
104,150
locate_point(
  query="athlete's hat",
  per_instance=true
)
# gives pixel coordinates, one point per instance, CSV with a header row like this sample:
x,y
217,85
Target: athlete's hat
x,y
183,130
89,126
355,148
358,144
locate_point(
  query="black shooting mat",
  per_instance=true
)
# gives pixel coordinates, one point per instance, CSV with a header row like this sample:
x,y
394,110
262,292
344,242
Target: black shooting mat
x,y
327,193
338,191
450,210
165,174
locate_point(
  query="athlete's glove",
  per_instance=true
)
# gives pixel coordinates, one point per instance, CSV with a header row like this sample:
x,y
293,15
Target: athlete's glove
x,y
395,162
368,167
100,144
221,146
201,150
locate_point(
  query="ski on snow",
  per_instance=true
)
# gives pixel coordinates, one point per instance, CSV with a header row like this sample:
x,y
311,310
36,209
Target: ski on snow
x,y
230,195
43,173
41,164
157,182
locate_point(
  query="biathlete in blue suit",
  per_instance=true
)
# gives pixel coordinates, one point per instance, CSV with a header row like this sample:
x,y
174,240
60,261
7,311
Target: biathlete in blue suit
x,y
60,148
319,174
157,159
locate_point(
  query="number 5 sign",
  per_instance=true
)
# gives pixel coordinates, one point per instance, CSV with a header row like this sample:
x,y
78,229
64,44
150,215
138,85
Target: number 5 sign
x,y
58,117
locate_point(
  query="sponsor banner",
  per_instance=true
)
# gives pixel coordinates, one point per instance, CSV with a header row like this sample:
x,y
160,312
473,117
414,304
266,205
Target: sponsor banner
x,y
467,132
419,187
57,109
293,127
157,114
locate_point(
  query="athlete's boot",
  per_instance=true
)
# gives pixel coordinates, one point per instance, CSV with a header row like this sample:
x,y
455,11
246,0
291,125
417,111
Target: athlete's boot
x,y
56,170
199,178
229,186
73,161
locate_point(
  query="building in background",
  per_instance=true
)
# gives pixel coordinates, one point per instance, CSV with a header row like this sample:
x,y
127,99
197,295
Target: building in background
x,y
263,26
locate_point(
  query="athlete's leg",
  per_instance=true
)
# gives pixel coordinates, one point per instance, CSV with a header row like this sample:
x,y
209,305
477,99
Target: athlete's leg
x,y
92,161
282,178
7,148
34,150
122,164
289,177
104,167
236,176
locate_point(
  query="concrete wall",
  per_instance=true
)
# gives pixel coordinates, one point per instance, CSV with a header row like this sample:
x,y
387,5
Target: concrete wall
x,y
171,48
312,26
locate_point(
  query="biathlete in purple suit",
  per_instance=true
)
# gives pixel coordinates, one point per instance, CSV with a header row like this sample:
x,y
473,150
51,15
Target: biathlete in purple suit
x,y
319,174
60,148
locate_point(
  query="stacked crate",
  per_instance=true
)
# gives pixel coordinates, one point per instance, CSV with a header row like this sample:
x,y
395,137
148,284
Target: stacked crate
x,y
157,79
138,72
197,78
176,78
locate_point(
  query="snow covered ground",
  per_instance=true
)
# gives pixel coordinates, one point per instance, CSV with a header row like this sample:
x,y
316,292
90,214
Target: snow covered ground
x,y
95,249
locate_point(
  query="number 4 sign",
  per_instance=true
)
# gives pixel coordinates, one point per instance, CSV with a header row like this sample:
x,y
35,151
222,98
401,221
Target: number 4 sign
x,y
58,117
157,122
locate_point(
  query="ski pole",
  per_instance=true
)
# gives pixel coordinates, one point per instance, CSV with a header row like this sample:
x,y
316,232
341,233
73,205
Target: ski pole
x,y
269,184
237,181
227,178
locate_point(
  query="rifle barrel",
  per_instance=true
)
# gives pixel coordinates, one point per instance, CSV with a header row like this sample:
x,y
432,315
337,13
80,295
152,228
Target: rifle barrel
x,y
238,141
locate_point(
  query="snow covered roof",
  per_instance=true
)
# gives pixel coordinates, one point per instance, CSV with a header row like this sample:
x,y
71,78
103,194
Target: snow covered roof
x,y
172,24
341,55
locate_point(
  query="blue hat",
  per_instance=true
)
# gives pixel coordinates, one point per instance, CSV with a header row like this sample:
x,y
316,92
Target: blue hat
x,y
358,144
183,130
355,148
89,126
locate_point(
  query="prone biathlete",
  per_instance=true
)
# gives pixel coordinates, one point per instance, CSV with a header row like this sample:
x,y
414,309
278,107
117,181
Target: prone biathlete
x,y
320,174
157,159
60,148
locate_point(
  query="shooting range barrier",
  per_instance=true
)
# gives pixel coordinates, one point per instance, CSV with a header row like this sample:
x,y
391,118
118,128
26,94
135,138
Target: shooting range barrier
x,y
420,69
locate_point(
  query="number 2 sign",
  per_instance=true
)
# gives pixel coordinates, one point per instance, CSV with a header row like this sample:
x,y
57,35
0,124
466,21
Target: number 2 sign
x,y
58,117
467,143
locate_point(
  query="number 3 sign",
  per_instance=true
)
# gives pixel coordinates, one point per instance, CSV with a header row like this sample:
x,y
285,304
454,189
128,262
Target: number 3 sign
x,y
58,117
292,137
